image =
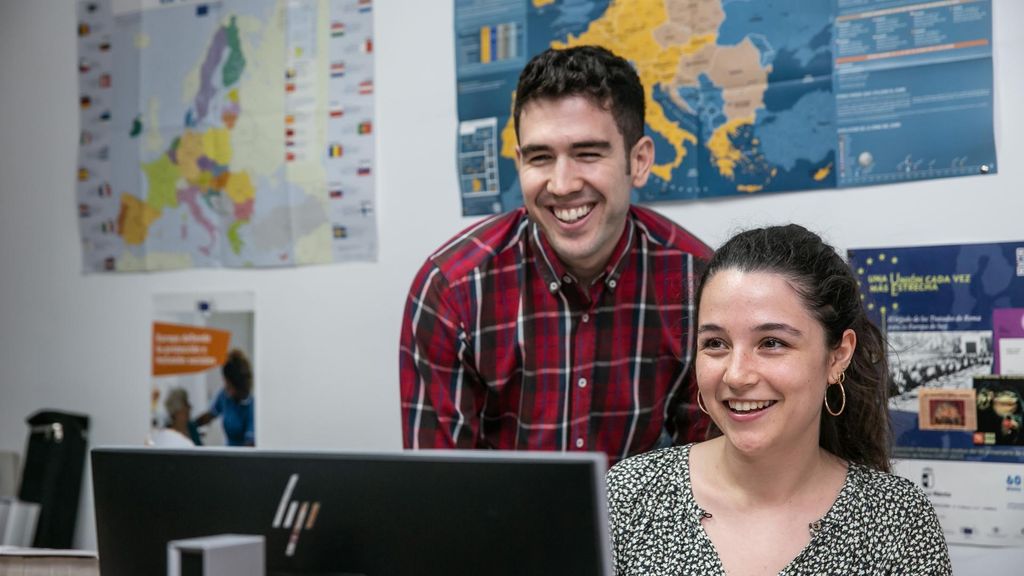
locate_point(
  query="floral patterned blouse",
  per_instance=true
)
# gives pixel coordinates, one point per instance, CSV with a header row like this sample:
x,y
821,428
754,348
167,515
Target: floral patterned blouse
x,y
879,524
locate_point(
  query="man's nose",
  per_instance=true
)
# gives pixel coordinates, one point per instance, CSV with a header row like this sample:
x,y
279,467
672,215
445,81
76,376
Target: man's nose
x,y
564,178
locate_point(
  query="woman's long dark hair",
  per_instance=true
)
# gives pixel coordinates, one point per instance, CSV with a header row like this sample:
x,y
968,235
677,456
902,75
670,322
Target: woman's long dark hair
x,y
829,290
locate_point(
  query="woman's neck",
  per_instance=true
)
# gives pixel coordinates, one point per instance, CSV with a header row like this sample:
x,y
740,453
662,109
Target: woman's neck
x,y
771,478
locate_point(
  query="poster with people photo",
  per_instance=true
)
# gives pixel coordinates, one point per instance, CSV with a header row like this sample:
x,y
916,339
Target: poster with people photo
x,y
202,388
935,305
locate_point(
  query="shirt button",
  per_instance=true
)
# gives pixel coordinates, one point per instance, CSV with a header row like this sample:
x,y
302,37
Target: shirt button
x,y
579,442
611,283
567,279
582,382
586,317
553,286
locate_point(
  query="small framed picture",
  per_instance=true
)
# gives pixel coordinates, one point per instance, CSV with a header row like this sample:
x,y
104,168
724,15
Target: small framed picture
x,y
1000,410
946,409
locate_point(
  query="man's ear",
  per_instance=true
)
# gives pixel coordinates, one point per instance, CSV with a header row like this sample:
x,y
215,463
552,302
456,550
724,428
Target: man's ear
x,y
641,158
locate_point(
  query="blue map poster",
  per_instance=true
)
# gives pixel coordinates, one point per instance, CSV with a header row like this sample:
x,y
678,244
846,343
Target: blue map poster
x,y
935,305
747,97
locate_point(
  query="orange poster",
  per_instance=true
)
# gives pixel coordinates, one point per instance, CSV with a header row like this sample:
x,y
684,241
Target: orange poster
x,y
180,349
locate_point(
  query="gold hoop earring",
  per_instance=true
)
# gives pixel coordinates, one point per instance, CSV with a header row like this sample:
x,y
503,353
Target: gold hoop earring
x,y
701,404
839,381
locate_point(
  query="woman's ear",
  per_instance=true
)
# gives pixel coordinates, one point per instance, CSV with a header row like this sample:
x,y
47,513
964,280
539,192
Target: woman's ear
x,y
842,354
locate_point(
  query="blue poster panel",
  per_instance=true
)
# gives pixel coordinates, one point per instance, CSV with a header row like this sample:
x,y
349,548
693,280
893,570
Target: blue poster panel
x,y
747,97
935,305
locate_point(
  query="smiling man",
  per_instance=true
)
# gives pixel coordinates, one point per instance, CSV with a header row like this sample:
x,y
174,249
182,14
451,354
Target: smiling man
x,y
566,324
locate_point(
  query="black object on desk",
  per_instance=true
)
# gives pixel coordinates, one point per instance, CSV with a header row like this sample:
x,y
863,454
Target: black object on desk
x,y
52,477
374,514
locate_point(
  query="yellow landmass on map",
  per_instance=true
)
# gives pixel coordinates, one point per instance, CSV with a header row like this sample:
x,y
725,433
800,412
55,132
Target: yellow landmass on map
x,y
190,148
508,134
726,156
823,173
697,43
625,28
134,219
542,3
749,188
239,187
217,145
671,43
162,176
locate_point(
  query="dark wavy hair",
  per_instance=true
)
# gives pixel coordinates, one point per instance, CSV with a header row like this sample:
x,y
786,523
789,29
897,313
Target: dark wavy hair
x,y
829,290
238,372
593,72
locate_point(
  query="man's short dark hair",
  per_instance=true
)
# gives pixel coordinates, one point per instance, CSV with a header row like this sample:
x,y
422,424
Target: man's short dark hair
x,y
593,72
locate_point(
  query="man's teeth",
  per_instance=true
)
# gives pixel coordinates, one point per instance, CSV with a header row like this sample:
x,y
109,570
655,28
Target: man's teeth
x,y
573,214
747,406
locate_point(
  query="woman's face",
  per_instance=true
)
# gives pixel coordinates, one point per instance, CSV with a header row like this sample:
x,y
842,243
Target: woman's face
x,y
762,361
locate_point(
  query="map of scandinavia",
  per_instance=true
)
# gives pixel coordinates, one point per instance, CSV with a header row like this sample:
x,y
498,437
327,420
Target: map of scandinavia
x,y
207,137
738,93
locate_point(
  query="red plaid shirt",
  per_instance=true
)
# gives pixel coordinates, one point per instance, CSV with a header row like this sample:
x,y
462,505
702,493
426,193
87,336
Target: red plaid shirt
x,y
501,348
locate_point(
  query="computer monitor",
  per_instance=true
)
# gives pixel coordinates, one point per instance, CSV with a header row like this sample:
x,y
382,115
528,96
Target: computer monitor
x,y
358,514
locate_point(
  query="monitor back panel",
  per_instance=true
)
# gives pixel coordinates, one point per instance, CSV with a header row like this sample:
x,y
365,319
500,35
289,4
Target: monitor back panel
x,y
424,513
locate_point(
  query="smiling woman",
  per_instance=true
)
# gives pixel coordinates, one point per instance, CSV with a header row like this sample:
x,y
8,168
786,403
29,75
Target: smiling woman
x,y
795,476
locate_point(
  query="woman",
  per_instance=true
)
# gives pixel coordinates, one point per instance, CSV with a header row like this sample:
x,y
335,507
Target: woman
x,y
234,403
795,478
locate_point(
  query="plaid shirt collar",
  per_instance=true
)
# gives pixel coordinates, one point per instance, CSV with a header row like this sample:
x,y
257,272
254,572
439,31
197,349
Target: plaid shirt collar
x,y
556,274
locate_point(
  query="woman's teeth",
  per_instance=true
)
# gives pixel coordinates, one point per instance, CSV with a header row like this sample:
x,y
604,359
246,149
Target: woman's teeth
x,y
749,406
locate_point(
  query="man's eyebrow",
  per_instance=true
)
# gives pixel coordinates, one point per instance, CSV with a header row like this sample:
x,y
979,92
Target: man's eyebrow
x,y
582,145
602,144
533,148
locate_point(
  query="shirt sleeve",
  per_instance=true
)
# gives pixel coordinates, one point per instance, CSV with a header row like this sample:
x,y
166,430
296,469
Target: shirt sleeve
x,y
217,406
924,549
440,392
621,493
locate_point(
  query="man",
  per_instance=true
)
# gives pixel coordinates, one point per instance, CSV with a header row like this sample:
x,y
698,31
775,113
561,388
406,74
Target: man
x,y
566,324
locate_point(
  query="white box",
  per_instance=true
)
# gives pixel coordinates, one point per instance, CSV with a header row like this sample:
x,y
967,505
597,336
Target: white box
x,y
221,555
18,522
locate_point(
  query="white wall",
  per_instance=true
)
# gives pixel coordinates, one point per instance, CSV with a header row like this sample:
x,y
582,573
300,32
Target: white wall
x,y
326,337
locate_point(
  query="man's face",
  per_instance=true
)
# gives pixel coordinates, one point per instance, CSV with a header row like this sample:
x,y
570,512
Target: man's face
x,y
576,185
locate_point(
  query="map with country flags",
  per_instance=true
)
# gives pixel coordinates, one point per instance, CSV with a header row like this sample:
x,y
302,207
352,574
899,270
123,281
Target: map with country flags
x,y
230,133
747,96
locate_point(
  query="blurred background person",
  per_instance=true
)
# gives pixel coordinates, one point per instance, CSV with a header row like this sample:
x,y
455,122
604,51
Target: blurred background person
x,y
234,403
179,431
